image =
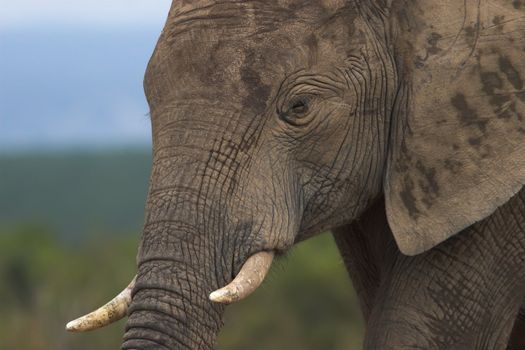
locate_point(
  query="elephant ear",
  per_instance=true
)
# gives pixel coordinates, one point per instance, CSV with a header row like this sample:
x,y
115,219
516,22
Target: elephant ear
x,y
458,135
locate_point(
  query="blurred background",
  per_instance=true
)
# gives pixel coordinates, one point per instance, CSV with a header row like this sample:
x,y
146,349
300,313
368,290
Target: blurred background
x,y
74,167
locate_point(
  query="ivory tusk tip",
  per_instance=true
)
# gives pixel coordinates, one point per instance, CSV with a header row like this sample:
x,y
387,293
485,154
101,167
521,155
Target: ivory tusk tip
x,y
73,326
105,315
223,296
247,280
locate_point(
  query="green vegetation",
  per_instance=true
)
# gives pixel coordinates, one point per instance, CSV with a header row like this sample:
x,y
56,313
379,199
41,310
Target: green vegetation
x,y
46,278
44,282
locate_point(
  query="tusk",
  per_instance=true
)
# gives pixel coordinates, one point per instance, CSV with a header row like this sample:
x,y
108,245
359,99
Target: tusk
x,y
249,278
107,314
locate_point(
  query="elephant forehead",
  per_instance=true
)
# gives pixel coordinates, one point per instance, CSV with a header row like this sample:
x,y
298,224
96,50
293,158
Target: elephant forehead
x,y
243,72
189,7
238,50
221,38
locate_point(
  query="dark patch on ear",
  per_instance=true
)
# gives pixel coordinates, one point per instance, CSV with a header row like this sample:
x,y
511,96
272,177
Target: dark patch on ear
x,y
521,96
510,72
402,165
433,41
432,49
517,4
453,165
475,141
467,115
408,198
492,81
497,20
258,92
471,32
430,185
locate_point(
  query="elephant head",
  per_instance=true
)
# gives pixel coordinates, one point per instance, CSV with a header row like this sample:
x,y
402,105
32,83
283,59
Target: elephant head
x,y
275,120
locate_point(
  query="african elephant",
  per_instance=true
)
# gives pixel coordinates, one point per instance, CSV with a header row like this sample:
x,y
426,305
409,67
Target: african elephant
x,y
399,125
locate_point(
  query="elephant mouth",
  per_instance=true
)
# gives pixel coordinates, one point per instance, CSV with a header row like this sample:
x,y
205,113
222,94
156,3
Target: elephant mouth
x,y
249,278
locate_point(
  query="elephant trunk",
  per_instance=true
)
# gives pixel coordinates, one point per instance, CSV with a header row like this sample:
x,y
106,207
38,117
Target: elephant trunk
x,y
180,261
161,316
192,245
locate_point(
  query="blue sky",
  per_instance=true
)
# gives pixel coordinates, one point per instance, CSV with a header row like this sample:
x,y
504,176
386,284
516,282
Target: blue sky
x,y
112,13
71,72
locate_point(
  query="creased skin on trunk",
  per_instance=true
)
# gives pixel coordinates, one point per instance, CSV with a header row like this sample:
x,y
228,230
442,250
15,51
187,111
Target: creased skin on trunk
x,y
185,254
170,309
177,269
206,214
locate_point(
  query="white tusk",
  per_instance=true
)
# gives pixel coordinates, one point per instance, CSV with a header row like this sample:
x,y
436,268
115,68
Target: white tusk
x,y
107,314
247,280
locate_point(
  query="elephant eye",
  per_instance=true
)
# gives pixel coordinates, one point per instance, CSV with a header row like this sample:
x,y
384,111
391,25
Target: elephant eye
x,y
296,110
299,106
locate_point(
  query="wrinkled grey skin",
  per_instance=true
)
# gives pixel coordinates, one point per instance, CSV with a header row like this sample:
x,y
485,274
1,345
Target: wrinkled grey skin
x,y
397,124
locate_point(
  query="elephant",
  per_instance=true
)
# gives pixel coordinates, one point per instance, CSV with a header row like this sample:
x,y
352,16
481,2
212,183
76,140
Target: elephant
x,y
397,125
